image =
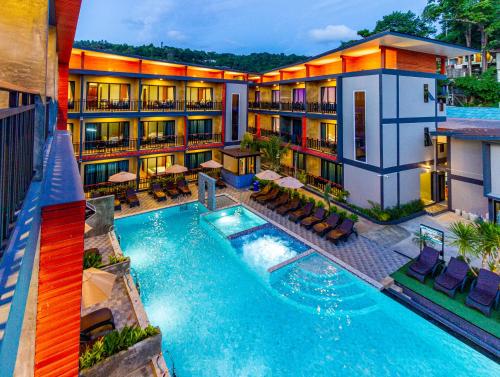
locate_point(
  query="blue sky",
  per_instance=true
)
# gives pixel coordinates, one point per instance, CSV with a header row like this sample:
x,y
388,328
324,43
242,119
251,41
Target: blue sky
x,y
237,26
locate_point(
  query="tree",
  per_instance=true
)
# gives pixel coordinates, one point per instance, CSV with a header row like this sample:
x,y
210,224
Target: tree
x,y
484,89
402,22
273,151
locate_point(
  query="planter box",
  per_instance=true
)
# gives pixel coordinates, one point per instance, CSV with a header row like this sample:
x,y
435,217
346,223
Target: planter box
x,y
118,269
126,361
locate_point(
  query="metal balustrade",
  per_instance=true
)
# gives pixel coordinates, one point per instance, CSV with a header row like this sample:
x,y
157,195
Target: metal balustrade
x,y
87,105
322,145
322,107
204,138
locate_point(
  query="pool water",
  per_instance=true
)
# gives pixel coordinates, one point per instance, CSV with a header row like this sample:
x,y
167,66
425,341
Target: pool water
x,y
492,113
221,315
233,220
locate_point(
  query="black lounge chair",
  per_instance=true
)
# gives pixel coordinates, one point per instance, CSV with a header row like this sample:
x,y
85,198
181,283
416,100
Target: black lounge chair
x,y
425,264
316,218
219,183
454,276
183,187
292,206
172,191
158,193
301,213
282,199
325,226
100,318
484,293
342,232
264,191
267,198
132,198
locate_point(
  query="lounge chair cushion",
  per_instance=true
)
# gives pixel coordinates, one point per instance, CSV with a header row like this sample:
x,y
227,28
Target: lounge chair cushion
x,y
482,297
448,282
426,261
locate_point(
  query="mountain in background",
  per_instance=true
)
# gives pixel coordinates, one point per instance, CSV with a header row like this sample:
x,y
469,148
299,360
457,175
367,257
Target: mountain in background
x,y
255,62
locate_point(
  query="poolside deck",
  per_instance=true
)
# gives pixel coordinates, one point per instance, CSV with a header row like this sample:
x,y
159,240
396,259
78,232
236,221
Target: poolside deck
x,y
361,253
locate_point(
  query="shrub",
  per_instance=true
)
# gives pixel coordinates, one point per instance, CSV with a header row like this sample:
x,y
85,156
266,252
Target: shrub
x,y
311,200
92,260
113,259
113,343
342,214
320,204
353,217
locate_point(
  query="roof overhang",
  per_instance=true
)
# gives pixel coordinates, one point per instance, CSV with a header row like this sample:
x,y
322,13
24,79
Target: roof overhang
x,y
66,15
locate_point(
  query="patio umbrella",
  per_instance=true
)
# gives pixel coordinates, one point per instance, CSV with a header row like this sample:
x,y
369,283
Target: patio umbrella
x,y
96,286
211,164
123,176
289,182
176,169
268,175
88,228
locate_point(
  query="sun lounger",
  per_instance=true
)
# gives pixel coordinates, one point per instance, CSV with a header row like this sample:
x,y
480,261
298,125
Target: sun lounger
x,y
271,196
484,293
282,199
325,226
425,264
264,191
317,217
132,198
289,207
342,232
301,213
183,187
454,276
172,191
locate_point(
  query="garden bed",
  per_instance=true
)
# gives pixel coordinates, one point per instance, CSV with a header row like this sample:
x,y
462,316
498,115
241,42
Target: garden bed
x,y
454,305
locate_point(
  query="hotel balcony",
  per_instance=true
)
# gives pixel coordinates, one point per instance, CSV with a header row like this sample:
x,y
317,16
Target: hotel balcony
x,y
204,139
322,107
264,105
204,106
162,142
91,106
170,105
291,138
268,133
293,106
252,130
322,145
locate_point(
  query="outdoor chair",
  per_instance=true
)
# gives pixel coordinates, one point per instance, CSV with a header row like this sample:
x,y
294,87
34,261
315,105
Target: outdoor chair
x,y
316,218
271,196
342,232
172,191
183,187
326,226
301,213
425,264
291,206
132,198
282,199
264,191
484,293
454,276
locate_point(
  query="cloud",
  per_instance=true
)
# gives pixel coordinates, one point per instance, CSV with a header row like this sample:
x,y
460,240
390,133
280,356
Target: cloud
x,y
176,35
332,33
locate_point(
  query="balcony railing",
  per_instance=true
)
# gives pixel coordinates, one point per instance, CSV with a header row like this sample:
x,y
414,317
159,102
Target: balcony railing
x,y
264,105
105,147
252,130
161,106
293,106
291,138
73,106
268,133
206,138
313,180
322,145
322,107
17,144
203,106
166,141
111,105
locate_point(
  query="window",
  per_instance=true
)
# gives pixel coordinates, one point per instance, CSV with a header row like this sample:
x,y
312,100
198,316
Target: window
x,y
99,173
496,212
427,137
157,129
299,95
107,131
257,97
328,132
157,93
331,171
426,93
235,117
199,94
328,94
104,95
275,96
299,160
360,126
200,126
71,95
156,165
194,160
275,126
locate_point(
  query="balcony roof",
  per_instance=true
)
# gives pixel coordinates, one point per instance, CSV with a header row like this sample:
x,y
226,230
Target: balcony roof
x,y
66,15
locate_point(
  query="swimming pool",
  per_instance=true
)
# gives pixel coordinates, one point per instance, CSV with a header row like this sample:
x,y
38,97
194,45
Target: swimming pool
x,y
223,316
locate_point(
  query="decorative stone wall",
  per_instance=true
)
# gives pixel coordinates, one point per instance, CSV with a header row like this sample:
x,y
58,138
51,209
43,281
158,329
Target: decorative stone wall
x,y
207,184
103,221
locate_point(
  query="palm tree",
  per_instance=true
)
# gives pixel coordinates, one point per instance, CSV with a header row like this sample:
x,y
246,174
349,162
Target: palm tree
x,y
248,142
464,238
488,245
273,151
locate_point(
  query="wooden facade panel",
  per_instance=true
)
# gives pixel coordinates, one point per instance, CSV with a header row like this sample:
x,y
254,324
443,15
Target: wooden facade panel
x,y
59,287
416,61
